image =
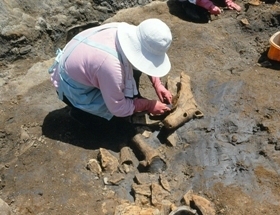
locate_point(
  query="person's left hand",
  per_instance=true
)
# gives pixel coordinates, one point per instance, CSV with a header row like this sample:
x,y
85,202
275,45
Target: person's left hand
x,y
163,94
231,5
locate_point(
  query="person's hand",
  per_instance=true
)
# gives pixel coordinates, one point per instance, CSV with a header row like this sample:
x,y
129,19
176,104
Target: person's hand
x,y
215,10
231,5
208,5
157,107
163,94
151,106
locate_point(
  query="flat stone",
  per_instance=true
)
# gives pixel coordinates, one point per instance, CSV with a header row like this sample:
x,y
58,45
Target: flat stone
x,y
108,161
172,139
129,209
145,178
143,189
164,183
93,166
158,194
142,200
116,178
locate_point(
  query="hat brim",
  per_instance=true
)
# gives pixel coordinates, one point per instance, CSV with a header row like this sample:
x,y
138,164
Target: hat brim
x,y
146,62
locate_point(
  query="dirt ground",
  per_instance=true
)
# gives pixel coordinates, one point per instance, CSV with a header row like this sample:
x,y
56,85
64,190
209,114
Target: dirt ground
x,y
230,156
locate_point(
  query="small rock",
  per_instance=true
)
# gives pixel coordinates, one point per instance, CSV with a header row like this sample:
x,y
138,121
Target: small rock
x,y
5,208
105,180
143,189
165,207
116,178
94,166
129,209
244,21
145,178
158,194
142,178
188,197
164,183
204,205
24,136
255,2
147,134
25,50
108,161
142,199
173,139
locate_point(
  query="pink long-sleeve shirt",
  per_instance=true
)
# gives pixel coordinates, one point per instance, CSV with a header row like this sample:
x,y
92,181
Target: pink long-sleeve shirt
x,y
94,67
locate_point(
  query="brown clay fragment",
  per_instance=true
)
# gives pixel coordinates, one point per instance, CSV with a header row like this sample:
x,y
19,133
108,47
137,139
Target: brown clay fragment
x,y
184,105
152,160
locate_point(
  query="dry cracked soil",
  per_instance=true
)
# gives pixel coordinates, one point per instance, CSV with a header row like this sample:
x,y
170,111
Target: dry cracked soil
x,y
230,156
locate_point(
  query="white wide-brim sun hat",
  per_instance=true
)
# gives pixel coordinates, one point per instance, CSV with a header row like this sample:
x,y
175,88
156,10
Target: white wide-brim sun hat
x,y
145,46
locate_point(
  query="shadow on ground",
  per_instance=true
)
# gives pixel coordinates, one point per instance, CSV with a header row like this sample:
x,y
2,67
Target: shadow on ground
x,y
264,61
58,125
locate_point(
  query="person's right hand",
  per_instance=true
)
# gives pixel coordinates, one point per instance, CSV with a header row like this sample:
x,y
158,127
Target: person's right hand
x,y
151,106
157,107
215,10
